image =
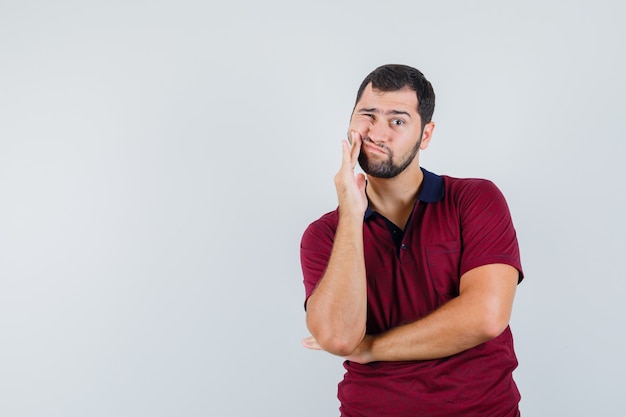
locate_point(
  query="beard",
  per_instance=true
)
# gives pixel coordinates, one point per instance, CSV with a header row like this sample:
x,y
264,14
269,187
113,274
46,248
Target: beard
x,y
386,168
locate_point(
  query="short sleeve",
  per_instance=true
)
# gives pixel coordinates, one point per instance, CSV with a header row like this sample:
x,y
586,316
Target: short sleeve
x,y
315,249
488,235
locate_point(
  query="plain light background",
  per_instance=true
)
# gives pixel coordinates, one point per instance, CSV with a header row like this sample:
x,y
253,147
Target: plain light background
x,y
159,162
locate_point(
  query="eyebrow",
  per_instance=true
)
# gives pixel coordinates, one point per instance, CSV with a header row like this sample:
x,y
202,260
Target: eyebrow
x,y
375,110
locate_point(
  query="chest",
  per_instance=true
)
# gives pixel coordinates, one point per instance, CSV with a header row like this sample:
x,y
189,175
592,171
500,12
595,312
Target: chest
x,y
412,278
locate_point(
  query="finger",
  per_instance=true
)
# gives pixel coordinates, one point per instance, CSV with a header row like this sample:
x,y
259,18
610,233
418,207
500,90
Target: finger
x,y
346,155
361,181
355,150
310,343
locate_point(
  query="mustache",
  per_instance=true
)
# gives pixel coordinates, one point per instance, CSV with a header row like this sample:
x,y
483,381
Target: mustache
x,y
371,141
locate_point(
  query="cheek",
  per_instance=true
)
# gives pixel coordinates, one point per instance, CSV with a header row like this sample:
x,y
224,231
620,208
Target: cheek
x,y
360,125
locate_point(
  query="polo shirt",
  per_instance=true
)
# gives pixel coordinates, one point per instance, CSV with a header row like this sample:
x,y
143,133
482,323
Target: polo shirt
x,y
457,224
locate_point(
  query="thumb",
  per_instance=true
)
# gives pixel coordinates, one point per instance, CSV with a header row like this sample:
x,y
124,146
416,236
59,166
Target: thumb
x,y
361,181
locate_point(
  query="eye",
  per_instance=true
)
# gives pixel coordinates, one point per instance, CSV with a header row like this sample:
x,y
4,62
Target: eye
x,y
397,122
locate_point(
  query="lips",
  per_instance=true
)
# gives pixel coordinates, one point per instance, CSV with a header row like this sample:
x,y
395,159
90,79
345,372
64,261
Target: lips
x,y
372,147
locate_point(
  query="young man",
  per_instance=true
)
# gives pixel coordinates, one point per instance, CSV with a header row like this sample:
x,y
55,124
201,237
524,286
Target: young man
x,y
412,278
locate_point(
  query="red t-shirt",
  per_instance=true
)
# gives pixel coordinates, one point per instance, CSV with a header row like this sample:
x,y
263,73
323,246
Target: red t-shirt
x,y
456,225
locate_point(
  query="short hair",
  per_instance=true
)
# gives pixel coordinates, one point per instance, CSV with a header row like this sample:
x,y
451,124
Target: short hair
x,y
394,77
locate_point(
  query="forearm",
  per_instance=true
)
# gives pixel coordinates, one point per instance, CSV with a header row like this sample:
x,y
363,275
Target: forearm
x,y
480,313
447,331
337,309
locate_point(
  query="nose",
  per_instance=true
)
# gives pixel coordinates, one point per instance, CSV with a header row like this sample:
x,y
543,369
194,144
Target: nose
x,y
378,132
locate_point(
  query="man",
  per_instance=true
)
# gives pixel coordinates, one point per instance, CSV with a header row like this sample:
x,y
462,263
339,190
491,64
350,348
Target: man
x,y
412,278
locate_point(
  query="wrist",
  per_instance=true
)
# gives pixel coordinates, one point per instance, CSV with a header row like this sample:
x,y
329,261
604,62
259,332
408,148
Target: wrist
x,y
370,342
351,213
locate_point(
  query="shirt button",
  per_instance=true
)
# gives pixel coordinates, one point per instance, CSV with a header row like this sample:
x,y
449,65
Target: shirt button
x,y
403,246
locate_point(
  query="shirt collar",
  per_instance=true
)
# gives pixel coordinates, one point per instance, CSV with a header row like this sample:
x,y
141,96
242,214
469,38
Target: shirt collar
x,y
432,190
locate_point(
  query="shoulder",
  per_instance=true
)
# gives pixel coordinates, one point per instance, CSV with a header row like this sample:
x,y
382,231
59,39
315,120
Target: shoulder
x,y
472,189
447,188
322,228
464,184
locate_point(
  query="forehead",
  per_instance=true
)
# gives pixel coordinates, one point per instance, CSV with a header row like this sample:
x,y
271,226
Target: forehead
x,y
401,100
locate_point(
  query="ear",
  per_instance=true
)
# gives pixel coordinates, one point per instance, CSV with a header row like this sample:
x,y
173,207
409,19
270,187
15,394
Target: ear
x,y
427,135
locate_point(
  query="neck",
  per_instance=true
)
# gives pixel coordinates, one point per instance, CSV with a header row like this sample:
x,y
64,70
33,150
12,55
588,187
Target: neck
x,y
395,197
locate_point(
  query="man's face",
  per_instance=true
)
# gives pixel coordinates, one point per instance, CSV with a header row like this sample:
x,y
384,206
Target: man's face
x,y
391,130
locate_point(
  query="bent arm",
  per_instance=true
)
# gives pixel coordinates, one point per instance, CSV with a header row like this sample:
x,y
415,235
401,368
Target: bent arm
x,y
337,309
480,313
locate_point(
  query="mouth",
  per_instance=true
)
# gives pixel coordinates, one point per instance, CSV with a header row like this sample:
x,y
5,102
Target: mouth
x,y
372,147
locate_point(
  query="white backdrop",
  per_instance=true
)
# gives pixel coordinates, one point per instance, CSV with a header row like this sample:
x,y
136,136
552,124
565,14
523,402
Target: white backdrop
x,y
159,162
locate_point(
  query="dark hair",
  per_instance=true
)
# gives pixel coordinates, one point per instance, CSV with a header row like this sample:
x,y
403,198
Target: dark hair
x,y
393,77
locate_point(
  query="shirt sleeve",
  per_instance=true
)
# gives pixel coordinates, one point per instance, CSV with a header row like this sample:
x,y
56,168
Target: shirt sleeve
x,y
315,248
488,235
